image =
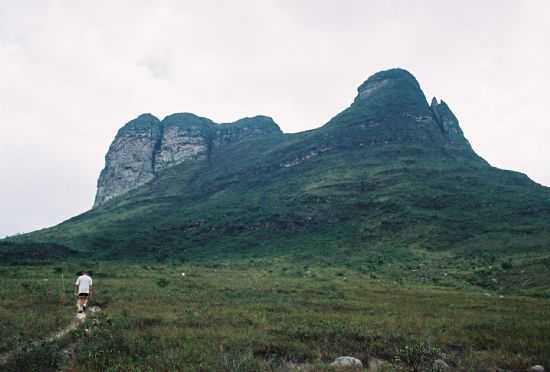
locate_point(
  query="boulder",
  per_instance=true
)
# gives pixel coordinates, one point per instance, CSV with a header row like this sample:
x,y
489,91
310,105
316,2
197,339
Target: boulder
x,y
347,361
537,368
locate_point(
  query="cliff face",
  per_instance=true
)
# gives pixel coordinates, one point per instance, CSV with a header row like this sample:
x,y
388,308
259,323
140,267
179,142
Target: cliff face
x,y
146,146
184,137
129,161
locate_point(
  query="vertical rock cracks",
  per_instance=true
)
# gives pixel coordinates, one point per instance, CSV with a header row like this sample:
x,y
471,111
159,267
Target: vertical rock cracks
x,y
146,146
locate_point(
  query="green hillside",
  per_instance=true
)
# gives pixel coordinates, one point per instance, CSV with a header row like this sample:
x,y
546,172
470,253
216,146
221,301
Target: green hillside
x,y
389,186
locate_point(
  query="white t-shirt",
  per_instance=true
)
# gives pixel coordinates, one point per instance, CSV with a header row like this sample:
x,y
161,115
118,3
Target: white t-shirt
x,y
84,283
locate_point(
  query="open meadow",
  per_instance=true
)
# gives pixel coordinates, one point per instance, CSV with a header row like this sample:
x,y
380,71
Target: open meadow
x,y
261,316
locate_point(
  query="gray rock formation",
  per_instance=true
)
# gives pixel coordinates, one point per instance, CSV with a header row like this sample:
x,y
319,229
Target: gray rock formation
x,y
146,146
184,137
347,361
447,121
129,161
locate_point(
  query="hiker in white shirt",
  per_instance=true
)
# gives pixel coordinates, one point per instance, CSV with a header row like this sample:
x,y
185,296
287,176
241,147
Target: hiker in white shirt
x,y
83,289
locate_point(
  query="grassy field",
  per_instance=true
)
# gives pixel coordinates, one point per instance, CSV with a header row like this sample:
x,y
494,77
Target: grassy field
x,y
262,316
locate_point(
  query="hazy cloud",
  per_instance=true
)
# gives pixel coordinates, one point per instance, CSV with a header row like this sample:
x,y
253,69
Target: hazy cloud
x,y
72,72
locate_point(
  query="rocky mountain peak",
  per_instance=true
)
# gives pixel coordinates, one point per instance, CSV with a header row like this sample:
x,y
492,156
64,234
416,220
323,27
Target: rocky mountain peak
x,y
395,86
145,146
394,74
390,109
186,119
142,122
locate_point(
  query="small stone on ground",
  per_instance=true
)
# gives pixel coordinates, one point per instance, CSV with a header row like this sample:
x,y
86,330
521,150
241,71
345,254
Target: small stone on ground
x,y
347,361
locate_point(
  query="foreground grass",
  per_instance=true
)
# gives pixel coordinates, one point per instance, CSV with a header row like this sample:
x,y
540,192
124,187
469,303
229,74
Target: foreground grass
x,y
241,318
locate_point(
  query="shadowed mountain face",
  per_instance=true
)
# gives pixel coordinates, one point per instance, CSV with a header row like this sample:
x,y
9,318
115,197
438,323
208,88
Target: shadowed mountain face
x,y
391,173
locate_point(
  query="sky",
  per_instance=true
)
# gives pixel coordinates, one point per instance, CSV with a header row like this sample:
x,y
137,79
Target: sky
x,y
72,72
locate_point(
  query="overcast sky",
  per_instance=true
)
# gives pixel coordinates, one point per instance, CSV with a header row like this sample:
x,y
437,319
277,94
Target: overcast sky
x,y
72,72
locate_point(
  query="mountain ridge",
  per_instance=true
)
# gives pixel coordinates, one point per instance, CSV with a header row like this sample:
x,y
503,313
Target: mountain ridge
x,y
146,145
390,178
376,98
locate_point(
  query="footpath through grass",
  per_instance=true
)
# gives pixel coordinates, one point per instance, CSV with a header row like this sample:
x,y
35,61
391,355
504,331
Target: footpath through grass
x,y
240,318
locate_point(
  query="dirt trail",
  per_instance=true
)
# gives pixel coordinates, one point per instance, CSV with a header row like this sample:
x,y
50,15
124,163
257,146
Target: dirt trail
x,y
75,323
78,320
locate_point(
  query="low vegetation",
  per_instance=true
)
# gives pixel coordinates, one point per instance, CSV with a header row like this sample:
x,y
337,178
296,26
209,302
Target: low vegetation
x,y
260,316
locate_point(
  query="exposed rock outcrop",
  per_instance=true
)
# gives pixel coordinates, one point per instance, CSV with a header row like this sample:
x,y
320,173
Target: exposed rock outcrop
x,y
447,121
129,161
146,146
184,137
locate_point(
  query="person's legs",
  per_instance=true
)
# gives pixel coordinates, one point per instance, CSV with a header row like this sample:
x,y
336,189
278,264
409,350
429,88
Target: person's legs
x,y
83,301
80,303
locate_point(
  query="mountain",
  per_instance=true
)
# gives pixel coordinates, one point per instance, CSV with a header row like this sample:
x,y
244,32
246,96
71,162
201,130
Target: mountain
x,y
391,100
145,147
389,183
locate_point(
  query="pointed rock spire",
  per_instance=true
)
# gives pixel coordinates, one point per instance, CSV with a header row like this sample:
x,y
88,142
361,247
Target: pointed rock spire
x,y
447,121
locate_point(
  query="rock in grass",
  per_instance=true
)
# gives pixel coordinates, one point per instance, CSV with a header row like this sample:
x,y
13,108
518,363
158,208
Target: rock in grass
x,y
375,365
440,365
537,368
347,361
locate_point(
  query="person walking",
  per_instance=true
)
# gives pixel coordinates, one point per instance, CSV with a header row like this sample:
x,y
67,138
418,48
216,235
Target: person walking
x,y
83,289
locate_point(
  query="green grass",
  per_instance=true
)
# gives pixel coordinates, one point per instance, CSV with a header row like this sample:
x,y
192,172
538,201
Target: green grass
x,y
374,235
32,304
237,318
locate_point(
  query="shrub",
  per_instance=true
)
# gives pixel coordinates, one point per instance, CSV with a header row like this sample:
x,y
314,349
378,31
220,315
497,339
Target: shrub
x,y
163,282
418,356
507,265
